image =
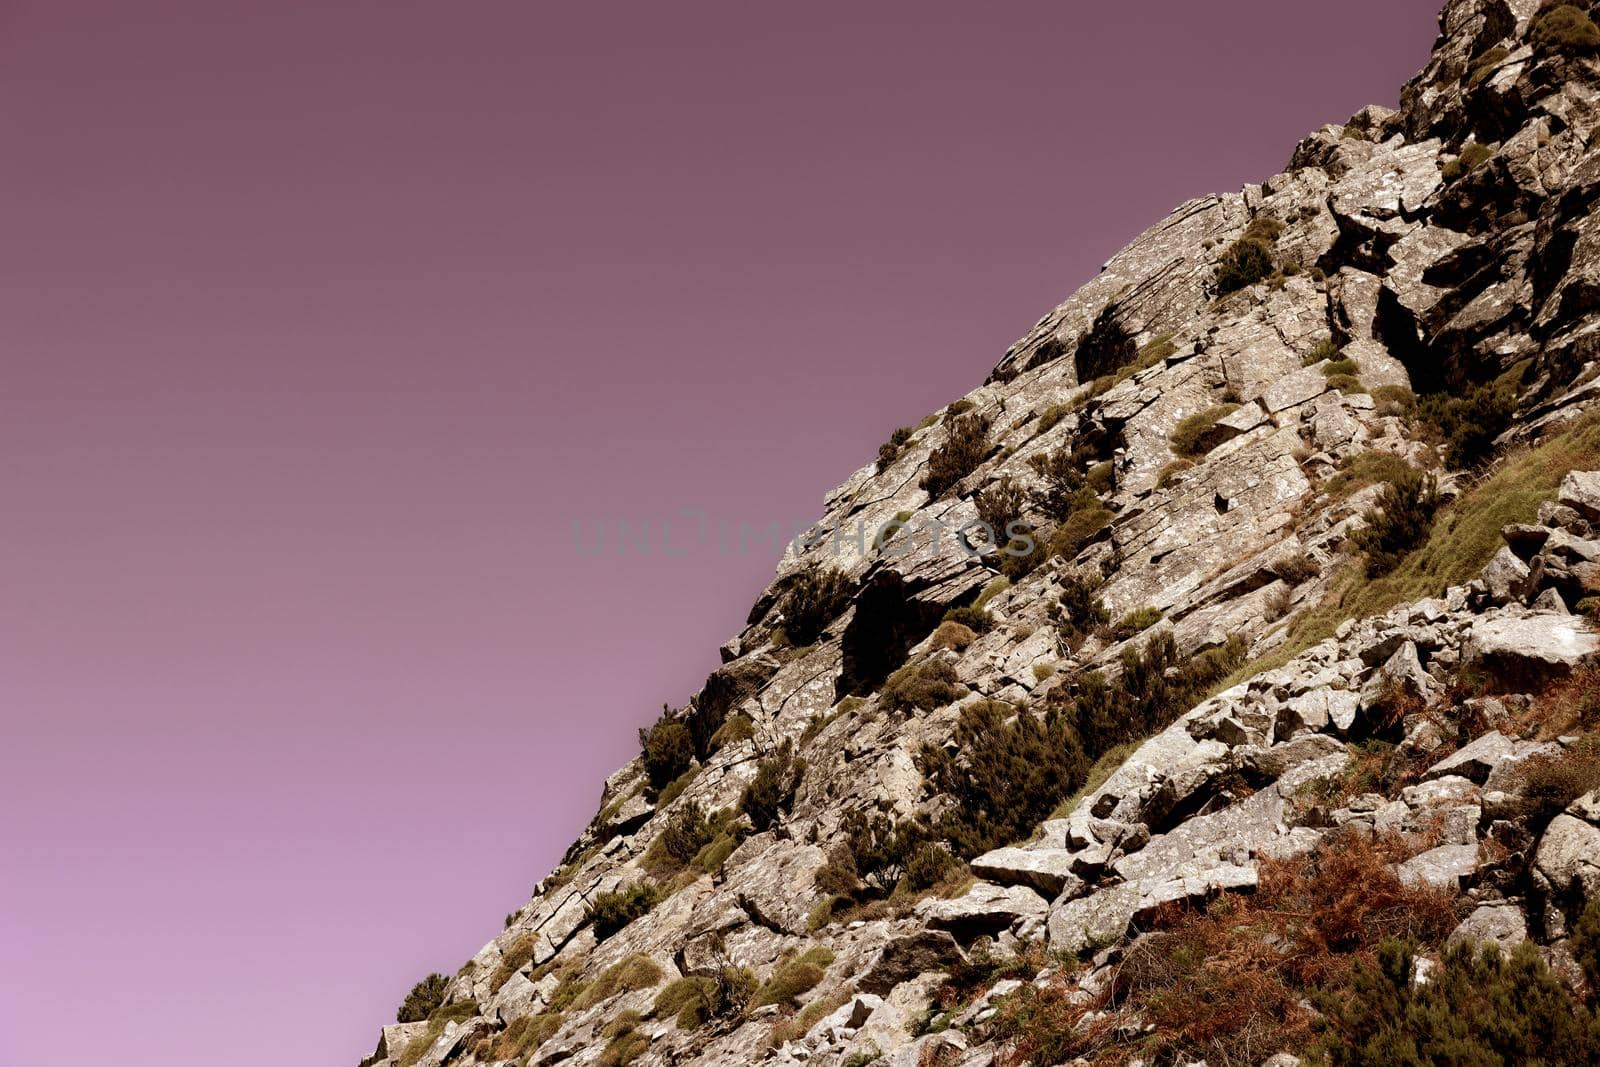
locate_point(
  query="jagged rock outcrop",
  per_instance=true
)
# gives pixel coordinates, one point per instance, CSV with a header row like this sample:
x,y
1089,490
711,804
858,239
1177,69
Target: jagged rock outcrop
x,y
1197,449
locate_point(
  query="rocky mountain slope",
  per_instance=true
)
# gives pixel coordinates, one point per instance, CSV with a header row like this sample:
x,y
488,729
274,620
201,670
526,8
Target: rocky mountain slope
x,y
1182,693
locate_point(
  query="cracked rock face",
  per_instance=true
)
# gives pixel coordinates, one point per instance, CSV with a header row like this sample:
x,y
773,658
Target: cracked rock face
x,y
1188,458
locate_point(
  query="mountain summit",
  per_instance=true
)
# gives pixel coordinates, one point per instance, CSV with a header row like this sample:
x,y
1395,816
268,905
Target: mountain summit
x,y
1215,683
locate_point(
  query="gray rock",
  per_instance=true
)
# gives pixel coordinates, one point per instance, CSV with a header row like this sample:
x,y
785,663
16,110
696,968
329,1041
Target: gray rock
x,y
1506,577
1523,653
1501,924
906,957
1448,866
1048,870
984,908
1580,491
1475,761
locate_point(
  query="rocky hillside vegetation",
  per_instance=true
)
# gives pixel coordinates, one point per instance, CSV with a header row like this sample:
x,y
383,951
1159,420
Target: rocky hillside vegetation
x,y
1215,683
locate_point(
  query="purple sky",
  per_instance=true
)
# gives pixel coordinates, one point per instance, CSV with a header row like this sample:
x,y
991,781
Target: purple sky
x,y
324,321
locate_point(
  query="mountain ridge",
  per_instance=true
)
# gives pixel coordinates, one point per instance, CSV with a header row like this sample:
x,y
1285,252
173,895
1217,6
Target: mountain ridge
x,y
1267,550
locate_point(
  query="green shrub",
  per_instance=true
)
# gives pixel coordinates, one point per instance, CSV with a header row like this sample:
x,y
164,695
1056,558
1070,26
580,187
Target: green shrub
x,y
1367,468
875,850
1135,623
965,446
771,791
680,841
921,686
710,859
1193,437
1324,349
891,449
1157,684
1548,784
1399,523
525,1034
1244,263
1073,535
1342,366
952,635
1585,943
1472,157
1484,66
668,750
613,911
636,972
815,597
1080,609
793,977
1348,384
992,590
423,999
1297,569
674,789
1565,28
737,728
1476,1008
1053,415
974,618
513,958
1469,424
1394,400
1005,772
626,1043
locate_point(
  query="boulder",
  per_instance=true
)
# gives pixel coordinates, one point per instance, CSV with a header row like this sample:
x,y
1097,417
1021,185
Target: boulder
x,y
1580,491
1501,924
1505,576
1445,867
906,957
1523,653
984,908
1049,870
1477,760
1567,863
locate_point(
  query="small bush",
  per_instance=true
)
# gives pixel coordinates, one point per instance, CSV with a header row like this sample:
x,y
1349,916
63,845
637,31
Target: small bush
x,y
1244,263
1565,28
1469,424
1341,366
513,958
674,789
1005,772
921,686
1400,522
1484,66
626,1043
1135,623
424,998
891,449
1072,536
737,728
710,859
1471,158
627,976
974,618
992,590
525,1034
816,596
953,635
1192,437
1476,1008
686,833
1347,384
1324,349
965,446
793,977
611,912
1394,400
1547,785
1052,416
1066,488
1297,569
771,791
1080,609
1367,468
668,749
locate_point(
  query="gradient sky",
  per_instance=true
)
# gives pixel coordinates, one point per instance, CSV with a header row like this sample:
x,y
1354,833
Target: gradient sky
x,y
321,322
